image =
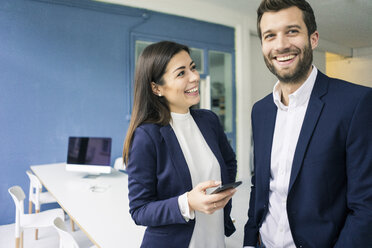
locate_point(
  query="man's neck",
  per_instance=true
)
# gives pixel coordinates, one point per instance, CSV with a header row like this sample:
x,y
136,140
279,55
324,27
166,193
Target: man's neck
x,y
289,88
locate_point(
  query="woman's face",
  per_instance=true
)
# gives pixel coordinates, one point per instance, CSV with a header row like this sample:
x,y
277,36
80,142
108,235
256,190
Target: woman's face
x,y
181,83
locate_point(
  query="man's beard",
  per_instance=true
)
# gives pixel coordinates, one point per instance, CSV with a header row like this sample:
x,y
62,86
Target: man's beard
x,y
300,71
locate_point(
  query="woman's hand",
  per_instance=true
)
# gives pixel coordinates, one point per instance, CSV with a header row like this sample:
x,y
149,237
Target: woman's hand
x,y
200,201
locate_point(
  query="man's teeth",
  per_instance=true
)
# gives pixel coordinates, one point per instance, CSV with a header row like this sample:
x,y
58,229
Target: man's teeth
x,y
192,90
285,58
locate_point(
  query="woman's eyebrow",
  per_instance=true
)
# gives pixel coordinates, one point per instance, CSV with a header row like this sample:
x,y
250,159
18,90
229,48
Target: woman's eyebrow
x,y
183,67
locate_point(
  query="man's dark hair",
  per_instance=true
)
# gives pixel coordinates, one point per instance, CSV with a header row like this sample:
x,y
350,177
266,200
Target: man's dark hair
x,y
277,5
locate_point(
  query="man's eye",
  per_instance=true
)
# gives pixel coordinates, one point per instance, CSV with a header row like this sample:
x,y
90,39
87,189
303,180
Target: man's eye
x,y
293,31
268,36
181,74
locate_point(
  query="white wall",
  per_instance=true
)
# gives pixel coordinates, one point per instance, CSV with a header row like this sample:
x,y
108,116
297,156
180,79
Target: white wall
x,y
319,60
356,69
262,79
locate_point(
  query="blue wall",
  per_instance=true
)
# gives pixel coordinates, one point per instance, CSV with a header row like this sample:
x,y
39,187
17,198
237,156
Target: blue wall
x,y
65,70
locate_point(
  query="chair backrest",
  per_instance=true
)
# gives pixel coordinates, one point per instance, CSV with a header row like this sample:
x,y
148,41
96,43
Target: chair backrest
x,y
18,197
66,240
119,164
35,187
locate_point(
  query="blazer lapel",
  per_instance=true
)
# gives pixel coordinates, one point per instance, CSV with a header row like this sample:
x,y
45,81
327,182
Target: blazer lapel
x,y
176,154
312,115
206,131
211,139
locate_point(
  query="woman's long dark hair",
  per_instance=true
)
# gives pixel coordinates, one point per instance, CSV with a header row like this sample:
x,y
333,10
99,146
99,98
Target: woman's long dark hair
x,y
148,107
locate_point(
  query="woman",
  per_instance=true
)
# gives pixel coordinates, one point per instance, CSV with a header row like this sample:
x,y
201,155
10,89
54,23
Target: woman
x,y
174,154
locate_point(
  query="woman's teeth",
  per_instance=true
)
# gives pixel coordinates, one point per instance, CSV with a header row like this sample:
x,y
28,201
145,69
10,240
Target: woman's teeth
x,y
192,90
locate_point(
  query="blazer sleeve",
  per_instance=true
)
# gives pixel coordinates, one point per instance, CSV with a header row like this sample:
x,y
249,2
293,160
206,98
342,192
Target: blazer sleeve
x,y
357,231
144,205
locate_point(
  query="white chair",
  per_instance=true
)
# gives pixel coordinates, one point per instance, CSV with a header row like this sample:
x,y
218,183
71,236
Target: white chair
x,y
119,164
66,240
24,221
36,196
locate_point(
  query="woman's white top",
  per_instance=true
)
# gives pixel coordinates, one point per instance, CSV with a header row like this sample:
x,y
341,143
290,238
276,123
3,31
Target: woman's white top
x,y
203,166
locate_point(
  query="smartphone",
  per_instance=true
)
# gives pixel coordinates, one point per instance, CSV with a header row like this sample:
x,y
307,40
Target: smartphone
x,y
226,186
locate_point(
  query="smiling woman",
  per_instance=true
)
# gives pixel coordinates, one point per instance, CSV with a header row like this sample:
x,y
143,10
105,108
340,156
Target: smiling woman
x,y
174,154
181,87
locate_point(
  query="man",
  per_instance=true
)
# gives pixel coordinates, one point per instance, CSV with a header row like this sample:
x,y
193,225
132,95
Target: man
x,y
312,185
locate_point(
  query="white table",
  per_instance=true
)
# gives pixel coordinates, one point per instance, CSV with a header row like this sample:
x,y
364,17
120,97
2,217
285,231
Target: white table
x,y
104,214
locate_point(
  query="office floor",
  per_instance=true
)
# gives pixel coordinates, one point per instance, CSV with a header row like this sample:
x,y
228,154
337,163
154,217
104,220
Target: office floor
x,y
48,237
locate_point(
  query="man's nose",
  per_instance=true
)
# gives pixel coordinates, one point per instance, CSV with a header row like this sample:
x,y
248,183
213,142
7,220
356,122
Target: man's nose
x,y
282,43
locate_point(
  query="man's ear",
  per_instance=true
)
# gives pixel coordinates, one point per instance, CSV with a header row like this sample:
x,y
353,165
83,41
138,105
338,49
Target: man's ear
x,y
155,89
314,39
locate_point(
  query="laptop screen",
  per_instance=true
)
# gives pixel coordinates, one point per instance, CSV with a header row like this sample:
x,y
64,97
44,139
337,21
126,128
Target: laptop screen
x,y
89,151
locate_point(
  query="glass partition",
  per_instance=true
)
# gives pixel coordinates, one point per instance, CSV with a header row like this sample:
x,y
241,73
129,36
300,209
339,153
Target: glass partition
x,y
198,57
221,87
140,46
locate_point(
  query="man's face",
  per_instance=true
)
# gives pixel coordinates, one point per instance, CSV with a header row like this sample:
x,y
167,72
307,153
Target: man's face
x,y
286,46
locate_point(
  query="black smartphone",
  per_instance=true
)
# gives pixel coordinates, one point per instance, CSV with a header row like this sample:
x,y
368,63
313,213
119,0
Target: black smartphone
x,y
226,186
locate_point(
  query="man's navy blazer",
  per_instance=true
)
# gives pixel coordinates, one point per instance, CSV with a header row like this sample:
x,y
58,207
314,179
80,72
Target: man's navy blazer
x,y
158,174
329,200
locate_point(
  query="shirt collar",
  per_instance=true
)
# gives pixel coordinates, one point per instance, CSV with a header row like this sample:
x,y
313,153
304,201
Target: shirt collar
x,y
176,117
300,96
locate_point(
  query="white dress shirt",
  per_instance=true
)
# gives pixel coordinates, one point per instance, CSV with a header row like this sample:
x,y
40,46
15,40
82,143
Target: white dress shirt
x,y
275,231
203,166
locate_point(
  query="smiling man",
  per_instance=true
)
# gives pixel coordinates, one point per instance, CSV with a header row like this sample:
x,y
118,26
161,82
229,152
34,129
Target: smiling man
x,y
312,143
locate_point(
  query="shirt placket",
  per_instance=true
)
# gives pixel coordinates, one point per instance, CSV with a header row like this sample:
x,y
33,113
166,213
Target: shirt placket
x,y
284,172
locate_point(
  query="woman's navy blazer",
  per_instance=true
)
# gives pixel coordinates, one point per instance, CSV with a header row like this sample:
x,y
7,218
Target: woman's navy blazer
x,y
158,174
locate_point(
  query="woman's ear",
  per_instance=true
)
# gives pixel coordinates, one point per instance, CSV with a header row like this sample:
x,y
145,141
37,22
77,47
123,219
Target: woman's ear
x,y
155,89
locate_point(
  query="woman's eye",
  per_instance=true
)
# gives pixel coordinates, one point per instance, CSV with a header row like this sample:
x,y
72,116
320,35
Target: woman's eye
x,y
181,74
193,67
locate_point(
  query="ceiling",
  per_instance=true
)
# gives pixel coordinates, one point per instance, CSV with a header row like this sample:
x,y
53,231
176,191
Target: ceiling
x,y
344,22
